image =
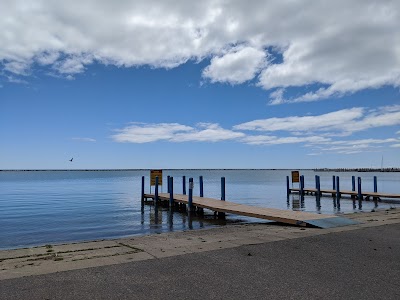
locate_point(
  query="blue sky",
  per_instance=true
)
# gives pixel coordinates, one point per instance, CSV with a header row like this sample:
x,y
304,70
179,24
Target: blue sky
x,y
183,85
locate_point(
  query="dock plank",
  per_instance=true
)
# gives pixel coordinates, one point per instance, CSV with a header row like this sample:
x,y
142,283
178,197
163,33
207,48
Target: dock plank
x,y
299,218
352,193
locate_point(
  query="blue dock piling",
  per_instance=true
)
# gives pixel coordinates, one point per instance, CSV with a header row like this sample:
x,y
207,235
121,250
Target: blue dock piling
x,y
168,177
156,194
201,186
190,200
184,185
375,191
142,195
171,192
353,185
302,185
318,185
333,182
360,196
200,209
318,192
223,188
337,192
287,187
221,214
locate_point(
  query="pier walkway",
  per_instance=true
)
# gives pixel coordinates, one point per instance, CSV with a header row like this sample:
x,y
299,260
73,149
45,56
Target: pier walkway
x,y
298,218
365,195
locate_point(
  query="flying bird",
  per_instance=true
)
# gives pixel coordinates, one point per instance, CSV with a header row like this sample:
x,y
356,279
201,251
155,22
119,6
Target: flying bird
x,y
71,159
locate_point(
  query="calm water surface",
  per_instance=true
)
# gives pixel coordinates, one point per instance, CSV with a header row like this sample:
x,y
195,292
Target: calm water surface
x,y
45,207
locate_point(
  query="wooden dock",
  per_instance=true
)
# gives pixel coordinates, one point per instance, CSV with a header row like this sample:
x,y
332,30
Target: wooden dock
x,y
355,193
298,218
365,195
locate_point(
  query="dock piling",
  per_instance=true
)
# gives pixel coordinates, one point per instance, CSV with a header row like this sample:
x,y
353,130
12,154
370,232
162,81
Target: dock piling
x,y
360,196
190,200
223,188
156,194
353,185
200,209
376,191
302,185
333,182
168,177
287,187
142,195
201,186
184,185
171,191
318,191
222,214
318,185
337,192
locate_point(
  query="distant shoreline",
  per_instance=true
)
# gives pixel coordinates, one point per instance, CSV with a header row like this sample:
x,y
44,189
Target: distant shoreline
x,y
106,170
358,170
217,169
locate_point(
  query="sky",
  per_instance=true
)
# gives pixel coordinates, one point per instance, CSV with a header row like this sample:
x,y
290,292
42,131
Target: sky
x,y
199,84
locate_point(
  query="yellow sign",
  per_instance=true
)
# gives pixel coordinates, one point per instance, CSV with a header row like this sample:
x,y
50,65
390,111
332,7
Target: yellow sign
x,y
153,175
295,176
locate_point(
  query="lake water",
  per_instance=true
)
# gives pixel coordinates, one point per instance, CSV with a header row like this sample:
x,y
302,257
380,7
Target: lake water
x,y
46,207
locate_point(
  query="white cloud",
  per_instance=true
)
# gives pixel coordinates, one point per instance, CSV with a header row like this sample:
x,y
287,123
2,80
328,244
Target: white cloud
x,y
15,79
353,146
207,132
84,139
273,140
317,133
237,66
17,67
173,132
146,133
364,142
73,64
47,58
344,46
329,121
342,122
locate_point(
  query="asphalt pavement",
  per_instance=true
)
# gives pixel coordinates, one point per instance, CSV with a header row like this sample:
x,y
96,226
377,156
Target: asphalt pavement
x,y
357,264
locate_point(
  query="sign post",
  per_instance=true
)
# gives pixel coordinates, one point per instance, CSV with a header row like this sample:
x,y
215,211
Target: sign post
x,y
295,176
153,175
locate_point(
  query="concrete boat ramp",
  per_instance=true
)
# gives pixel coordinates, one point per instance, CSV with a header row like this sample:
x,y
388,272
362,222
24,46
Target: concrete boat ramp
x,y
298,218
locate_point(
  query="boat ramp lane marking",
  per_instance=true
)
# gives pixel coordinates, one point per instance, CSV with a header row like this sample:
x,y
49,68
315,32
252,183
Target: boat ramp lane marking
x,y
299,218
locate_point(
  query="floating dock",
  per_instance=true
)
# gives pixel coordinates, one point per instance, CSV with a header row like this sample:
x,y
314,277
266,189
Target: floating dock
x,y
365,195
298,218
336,191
